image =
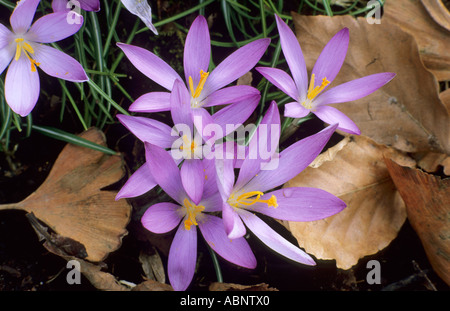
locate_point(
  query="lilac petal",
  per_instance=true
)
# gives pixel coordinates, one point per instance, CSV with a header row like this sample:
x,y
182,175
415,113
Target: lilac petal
x,y
233,116
230,95
90,5
332,57
53,27
23,15
197,50
193,179
138,183
6,56
153,216
22,86
213,203
292,161
225,176
331,115
148,130
273,240
210,185
60,5
354,89
234,227
182,258
281,80
204,122
150,65
165,171
180,105
300,204
58,64
151,102
6,36
294,57
236,65
236,251
295,110
266,138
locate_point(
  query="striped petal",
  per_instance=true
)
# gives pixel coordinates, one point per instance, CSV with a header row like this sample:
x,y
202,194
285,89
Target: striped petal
x,y
331,115
138,183
281,80
22,16
166,211
53,27
151,102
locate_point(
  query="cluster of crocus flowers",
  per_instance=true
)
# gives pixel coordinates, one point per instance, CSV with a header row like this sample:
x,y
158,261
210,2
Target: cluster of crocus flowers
x,y
203,187
24,50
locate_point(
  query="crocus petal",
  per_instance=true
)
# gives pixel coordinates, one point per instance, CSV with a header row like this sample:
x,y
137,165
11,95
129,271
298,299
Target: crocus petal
x,y
331,115
266,138
230,95
6,55
197,50
165,171
281,80
234,115
294,57
58,64
225,176
213,203
193,179
90,5
153,216
53,27
292,161
204,122
180,106
236,251
210,185
22,86
6,36
151,102
354,89
150,65
236,65
142,10
300,204
182,258
273,240
23,15
234,227
295,110
138,183
332,57
148,130
60,5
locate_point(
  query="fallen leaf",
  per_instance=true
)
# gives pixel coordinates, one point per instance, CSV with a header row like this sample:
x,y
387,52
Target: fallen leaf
x,y
438,12
72,204
427,200
353,170
407,113
152,265
432,161
432,38
223,287
151,285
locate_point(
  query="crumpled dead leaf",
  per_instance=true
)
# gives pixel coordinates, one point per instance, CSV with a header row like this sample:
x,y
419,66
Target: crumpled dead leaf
x,y
223,287
353,170
407,113
427,199
72,204
430,32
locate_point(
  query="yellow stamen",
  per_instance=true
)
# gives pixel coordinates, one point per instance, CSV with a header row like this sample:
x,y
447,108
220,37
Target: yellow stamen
x,y
313,91
191,210
203,76
27,49
186,142
252,197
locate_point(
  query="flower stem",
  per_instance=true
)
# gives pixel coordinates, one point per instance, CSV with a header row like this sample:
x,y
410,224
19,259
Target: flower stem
x,y
216,264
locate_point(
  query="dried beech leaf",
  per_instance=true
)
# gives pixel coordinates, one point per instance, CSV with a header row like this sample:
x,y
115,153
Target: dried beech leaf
x,y
438,12
353,170
71,203
407,113
431,36
432,161
151,285
427,200
223,287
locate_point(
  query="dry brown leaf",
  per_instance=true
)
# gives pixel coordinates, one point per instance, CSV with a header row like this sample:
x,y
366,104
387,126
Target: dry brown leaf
x,y
432,161
427,200
438,12
71,203
407,113
433,40
353,170
223,287
151,285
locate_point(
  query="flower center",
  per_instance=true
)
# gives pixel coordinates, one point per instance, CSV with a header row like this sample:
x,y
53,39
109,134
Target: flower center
x,y
313,91
196,93
27,50
192,211
250,198
187,142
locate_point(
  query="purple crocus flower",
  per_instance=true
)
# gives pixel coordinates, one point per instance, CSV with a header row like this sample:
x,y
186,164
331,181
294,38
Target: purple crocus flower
x,y
164,217
87,5
241,199
314,98
205,88
23,50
